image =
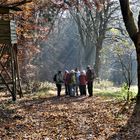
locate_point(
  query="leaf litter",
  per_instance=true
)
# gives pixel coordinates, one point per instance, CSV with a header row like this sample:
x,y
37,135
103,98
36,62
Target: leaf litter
x,y
66,118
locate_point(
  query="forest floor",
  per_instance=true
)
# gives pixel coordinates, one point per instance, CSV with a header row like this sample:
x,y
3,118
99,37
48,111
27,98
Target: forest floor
x,y
67,118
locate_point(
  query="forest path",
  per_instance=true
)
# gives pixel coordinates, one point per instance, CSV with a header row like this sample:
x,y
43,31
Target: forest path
x,y
61,118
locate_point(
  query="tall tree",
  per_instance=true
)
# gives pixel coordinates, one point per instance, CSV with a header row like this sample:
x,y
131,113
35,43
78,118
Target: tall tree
x,y
93,25
134,34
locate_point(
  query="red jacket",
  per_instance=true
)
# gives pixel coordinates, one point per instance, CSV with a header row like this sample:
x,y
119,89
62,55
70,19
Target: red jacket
x,y
82,79
67,77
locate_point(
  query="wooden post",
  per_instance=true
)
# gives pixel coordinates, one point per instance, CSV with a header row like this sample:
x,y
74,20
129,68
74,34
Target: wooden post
x,y
9,71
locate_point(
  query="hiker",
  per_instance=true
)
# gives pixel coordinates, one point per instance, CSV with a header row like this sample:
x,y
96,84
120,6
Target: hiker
x,y
58,78
90,78
82,82
72,82
77,74
66,79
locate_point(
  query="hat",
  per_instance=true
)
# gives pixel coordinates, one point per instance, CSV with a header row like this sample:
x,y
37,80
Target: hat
x,y
72,71
88,67
83,72
59,71
66,71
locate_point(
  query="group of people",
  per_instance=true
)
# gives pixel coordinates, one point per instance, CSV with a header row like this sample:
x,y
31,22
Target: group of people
x,y
75,81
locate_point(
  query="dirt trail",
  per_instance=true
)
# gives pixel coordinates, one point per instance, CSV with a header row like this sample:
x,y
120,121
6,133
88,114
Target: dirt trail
x,y
63,118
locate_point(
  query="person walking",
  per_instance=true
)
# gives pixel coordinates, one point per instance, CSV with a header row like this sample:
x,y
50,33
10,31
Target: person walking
x,y
58,78
72,83
77,74
66,79
90,78
82,83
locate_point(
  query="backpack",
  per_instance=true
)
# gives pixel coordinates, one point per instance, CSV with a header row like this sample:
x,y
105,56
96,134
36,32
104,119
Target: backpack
x,y
54,78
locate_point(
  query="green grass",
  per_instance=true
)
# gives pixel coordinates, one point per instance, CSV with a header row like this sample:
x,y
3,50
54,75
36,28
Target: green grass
x,y
106,89
103,88
114,92
109,94
103,84
44,90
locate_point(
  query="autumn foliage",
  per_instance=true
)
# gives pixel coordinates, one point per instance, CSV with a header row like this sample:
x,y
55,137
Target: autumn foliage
x,y
67,118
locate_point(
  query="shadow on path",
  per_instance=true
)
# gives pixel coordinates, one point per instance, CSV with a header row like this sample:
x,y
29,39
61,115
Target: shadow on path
x,y
130,131
52,100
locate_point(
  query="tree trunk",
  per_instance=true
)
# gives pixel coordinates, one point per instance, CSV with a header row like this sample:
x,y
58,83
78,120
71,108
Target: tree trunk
x,y
99,46
138,64
133,33
89,55
97,61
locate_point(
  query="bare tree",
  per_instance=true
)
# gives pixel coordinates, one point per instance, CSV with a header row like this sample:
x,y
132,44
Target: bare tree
x,y
93,26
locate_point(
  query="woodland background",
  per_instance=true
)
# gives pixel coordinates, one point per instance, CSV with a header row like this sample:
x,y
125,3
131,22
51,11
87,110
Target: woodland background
x,y
57,35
